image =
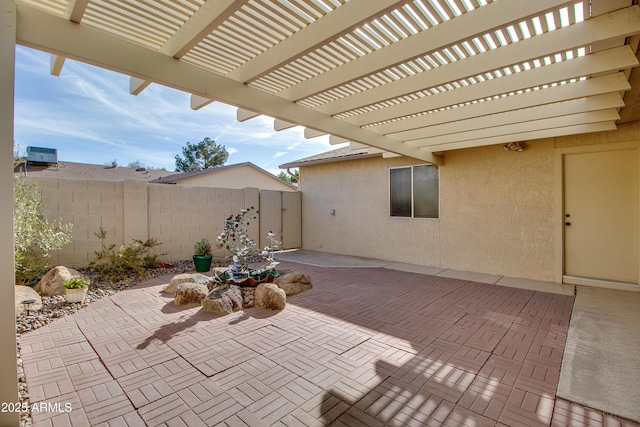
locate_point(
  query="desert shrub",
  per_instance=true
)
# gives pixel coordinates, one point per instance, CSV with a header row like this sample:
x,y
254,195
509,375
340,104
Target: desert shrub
x,y
36,238
116,264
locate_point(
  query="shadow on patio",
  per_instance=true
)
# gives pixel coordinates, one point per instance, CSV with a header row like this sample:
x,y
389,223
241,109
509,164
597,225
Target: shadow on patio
x,y
440,350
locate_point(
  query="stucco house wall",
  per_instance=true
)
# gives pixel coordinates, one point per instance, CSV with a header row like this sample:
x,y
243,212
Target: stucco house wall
x,y
236,176
500,211
241,177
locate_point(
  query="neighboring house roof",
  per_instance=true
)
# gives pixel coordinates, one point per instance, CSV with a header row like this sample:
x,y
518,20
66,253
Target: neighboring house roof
x,y
73,170
186,176
338,155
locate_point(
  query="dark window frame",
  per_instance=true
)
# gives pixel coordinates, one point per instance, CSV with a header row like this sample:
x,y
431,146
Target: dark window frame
x,y
414,185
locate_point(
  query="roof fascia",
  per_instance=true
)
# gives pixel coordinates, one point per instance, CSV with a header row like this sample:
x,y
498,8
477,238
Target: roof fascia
x,y
297,164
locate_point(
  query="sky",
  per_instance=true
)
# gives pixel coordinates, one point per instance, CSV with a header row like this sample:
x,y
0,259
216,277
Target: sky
x,y
89,116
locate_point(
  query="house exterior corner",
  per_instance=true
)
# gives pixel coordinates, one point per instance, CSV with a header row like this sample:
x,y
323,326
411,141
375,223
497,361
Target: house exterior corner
x,y
500,212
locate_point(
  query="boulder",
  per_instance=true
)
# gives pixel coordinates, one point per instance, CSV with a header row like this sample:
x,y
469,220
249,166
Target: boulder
x,y
223,300
270,297
52,283
24,293
198,278
190,293
293,283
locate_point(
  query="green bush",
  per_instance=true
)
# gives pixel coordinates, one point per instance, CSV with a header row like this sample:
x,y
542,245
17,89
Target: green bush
x,y
35,237
116,264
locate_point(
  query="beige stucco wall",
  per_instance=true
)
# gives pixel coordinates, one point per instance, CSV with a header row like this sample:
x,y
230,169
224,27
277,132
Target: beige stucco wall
x,y
497,211
356,190
238,177
500,211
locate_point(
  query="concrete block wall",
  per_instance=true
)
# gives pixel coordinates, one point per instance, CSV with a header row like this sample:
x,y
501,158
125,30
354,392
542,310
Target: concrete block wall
x,y
177,216
88,205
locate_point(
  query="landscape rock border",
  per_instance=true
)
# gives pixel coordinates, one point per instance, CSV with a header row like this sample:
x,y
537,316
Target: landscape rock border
x,y
223,299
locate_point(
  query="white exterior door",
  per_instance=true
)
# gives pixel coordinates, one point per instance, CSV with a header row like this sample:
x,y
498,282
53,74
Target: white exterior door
x,y
601,217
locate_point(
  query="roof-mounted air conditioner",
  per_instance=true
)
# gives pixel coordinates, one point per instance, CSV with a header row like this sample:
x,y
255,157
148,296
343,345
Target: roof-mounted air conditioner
x,y
42,155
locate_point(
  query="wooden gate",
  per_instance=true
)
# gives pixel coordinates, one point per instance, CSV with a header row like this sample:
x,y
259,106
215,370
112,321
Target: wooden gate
x,y
281,212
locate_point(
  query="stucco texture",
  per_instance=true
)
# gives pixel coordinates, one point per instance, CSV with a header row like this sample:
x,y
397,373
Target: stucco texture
x,y
500,211
496,212
239,177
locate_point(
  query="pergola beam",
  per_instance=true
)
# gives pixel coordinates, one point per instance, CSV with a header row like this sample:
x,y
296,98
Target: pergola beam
x,y
438,142
523,115
611,83
75,10
197,102
207,18
335,140
312,133
527,136
78,42
331,26
137,85
610,60
243,115
466,26
279,125
55,65
611,26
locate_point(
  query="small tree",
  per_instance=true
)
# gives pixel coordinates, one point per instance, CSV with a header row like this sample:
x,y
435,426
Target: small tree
x,y
203,155
35,237
290,178
136,164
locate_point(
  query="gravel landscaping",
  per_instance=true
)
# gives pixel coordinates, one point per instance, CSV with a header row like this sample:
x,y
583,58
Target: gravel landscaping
x,y
56,307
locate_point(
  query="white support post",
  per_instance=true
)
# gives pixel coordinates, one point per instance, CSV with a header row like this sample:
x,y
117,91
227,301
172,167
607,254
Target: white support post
x,y
8,360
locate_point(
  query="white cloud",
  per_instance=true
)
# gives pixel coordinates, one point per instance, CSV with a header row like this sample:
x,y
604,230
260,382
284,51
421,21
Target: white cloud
x,y
88,114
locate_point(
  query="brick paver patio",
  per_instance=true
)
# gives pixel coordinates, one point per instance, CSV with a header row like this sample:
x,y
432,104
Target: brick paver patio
x,y
366,347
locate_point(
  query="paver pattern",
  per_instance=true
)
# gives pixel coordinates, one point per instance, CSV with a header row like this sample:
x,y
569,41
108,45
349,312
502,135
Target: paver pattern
x,y
365,347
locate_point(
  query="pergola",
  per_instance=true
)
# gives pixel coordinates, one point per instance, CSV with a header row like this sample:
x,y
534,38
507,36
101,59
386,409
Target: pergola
x,y
412,77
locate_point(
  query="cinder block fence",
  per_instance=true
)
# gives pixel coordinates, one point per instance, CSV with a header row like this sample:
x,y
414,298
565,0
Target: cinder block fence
x,y
177,216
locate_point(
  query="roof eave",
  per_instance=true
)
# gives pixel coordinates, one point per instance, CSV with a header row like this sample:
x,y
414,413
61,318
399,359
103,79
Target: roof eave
x,y
296,164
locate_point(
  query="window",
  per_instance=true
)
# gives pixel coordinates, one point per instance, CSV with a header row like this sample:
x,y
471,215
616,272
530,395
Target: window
x,y
414,192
